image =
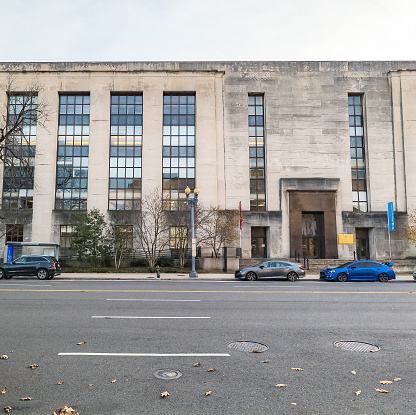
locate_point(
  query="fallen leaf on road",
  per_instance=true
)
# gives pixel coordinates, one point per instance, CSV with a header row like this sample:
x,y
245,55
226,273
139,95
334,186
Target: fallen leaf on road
x,y
26,399
60,383
397,379
7,409
265,361
164,394
197,364
4,357
34,366
65,411
281,385
208,393
90,384
381,390
4,390
386,382
358,393
293,403
114,381
256,351
211,370
81,343
353,372
297,368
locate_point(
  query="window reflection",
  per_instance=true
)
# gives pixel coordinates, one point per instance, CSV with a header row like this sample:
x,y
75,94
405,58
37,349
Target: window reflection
x,y
125,152
178,147
73,150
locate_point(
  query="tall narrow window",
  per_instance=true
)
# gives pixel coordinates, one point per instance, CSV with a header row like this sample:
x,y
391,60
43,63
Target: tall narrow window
x,y
66,236
178,148
73,150
257,154
19,158
126,152
357,150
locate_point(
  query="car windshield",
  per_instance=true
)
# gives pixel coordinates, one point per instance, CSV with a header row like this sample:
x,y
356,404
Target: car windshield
x,y
346,264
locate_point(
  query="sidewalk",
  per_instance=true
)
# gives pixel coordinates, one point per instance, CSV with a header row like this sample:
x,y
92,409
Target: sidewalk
x,y
184,276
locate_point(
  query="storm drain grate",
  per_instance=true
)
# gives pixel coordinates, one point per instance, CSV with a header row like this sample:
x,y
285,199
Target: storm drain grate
x,y
357,346
246,346
167,374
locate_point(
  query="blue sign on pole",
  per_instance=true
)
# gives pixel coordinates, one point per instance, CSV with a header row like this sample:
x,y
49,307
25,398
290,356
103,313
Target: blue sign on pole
x,y
391,216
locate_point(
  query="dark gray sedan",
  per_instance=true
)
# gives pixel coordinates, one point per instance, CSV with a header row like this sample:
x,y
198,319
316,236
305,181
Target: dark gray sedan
x,y
272,269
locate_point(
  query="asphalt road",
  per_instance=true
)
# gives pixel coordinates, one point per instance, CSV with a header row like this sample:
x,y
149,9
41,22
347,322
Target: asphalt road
x,y
177,324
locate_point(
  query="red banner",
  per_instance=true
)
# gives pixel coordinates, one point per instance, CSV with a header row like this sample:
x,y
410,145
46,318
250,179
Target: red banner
x,y
241,217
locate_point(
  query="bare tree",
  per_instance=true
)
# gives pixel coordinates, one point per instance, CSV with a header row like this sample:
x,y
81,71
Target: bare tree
x,y
19,120
218,228
152,227
180,230
120,239
25,109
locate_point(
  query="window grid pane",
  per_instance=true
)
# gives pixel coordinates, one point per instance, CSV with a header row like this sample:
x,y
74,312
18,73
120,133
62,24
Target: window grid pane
x,y
19,158
125,152
178,148
256,150
357,151
14,233
73,150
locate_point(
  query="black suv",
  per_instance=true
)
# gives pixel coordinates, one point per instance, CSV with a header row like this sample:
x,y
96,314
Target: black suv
x,y
44,267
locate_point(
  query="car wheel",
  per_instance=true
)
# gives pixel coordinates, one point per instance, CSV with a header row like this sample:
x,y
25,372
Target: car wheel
x,y
292,276
42,274
383,277
1,273
8,277
251,276
342,277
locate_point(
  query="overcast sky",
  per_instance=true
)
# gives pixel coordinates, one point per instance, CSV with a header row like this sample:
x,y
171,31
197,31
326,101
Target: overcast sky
x,y
195,30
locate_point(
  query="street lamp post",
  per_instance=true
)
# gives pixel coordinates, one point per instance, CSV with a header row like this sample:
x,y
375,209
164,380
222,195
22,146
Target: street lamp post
x,y
193,202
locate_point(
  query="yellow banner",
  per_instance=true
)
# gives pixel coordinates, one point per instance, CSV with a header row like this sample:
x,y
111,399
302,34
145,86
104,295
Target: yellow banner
x,y
346,239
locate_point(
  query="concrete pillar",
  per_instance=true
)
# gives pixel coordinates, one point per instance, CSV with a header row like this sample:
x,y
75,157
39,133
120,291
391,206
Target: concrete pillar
x,y
98,161
45,169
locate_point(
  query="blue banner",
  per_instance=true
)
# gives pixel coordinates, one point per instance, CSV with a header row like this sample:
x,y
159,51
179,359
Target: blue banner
x,y
9,254
391,216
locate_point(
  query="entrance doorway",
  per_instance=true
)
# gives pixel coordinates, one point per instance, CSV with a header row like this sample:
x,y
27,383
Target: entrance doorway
x,y
362,242
258,243
313,234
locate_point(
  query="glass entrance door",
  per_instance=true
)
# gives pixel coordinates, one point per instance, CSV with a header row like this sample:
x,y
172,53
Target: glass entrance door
x,y
362,242
313,240
258,243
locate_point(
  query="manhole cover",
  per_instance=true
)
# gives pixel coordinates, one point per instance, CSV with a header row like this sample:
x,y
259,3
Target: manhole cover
x,y
357,346
246,346
167,374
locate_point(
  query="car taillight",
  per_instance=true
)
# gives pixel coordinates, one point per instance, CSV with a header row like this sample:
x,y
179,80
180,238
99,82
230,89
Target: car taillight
x,y
301,267
392,268
52,265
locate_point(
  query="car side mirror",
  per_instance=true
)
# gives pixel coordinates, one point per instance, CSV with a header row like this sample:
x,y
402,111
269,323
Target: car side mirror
x,y
391,264
14,262
261,266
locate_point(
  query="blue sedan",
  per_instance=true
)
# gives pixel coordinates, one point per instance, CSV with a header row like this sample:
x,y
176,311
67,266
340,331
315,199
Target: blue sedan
x,y
359,271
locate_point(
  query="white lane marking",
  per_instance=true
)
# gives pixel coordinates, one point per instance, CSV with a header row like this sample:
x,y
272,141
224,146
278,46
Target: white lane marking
x,y
26,285
144,299
146,317
148,354
263,286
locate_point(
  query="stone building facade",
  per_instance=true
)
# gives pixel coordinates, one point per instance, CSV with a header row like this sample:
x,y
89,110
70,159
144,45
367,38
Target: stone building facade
x,y
311,149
